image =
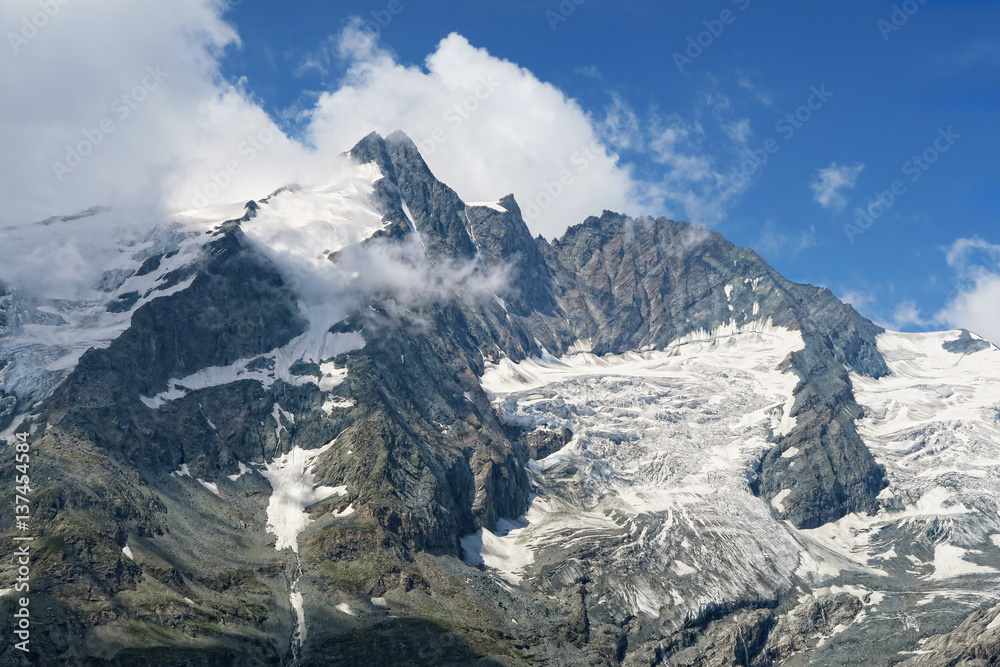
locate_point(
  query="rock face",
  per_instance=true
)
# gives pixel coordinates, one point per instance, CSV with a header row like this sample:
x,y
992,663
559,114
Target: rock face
x,y
973,643
633,284
223,413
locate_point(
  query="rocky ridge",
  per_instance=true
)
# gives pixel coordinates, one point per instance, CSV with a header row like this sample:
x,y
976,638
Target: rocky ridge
x,y
135,459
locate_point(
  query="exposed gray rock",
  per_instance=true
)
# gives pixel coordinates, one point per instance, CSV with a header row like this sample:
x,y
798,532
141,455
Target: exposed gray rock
x,y
966,344
971,644
631,284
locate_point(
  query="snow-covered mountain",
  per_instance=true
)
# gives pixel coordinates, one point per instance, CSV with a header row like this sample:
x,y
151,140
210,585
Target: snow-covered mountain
x,y
365,422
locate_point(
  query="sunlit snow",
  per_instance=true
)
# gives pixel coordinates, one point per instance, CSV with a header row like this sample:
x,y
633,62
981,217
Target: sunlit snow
x,y
294,489
662,444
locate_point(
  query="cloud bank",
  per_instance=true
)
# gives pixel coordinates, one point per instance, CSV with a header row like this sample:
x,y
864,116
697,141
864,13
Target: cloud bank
x,y
485,126
124,107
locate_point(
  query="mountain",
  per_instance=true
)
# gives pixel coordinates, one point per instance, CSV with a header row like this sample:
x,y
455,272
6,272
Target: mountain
x,y
369,423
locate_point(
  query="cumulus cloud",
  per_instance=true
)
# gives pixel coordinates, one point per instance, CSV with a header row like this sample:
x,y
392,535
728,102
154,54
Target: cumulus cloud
x,y
126,107
128,110
976,263
122,106
484,125
830,183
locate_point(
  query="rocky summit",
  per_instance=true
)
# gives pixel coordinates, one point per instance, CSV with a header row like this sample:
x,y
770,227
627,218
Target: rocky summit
x,y
368,423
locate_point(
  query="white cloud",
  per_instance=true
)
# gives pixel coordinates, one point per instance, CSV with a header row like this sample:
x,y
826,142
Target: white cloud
x,y
195,138
697,182
122,106
976,263
621,127
485,126
739,131
832,181
756,91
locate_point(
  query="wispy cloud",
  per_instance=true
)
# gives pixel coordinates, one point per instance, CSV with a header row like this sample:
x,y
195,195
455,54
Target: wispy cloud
x,y
861,300
831,182
693,158
758,93
620,127
976,264
590,71
907,315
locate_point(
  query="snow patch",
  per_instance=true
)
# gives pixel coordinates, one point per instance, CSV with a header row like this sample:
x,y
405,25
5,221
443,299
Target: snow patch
x,y
304,225
510,553
294,489
778,501
296,601
345,608
211,486
488,204
949,561
683,569
128,552
244,470
788,422
311,347
337,403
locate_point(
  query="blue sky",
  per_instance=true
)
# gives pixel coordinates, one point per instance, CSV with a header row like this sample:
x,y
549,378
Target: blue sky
x,y
660,124
894,85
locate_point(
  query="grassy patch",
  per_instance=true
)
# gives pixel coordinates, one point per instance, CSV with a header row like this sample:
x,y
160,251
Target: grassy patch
x,y
350,575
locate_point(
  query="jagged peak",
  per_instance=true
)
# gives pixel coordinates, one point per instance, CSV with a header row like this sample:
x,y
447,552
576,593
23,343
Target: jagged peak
x,y
400,137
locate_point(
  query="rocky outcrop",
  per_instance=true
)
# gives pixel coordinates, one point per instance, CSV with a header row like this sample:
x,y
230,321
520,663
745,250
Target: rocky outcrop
x,y
966,344
974,643
631,284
